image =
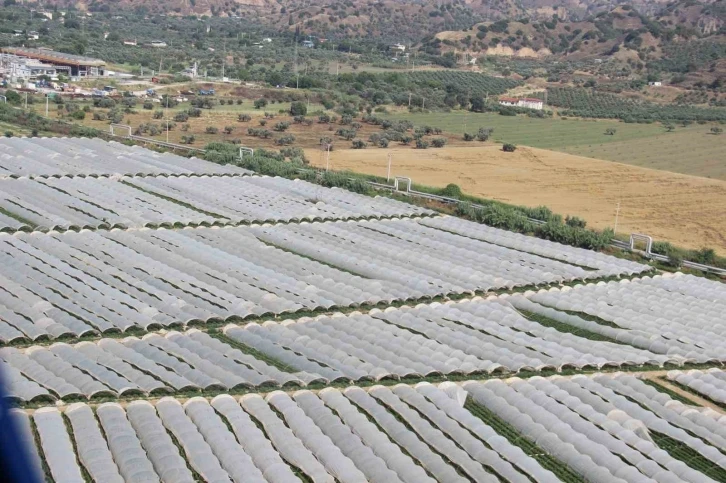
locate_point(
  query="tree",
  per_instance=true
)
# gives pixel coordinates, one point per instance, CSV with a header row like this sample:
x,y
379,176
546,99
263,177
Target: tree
x,y
359,144
422,143
610,131
716,130
298,108
468,137
438,142
281,126
509,148
211,130
477,104
244,118
484,133
228,129
260,103
669,127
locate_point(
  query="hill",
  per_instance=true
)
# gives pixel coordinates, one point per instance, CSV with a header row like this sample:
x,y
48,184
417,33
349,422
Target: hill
x,y
685,37
405,20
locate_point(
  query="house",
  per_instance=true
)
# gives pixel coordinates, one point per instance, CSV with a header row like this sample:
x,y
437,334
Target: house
x,y
655,83
158,43
17,33
308,44
398,47
130,42
524,102
33,35
508,101
531,103
267,40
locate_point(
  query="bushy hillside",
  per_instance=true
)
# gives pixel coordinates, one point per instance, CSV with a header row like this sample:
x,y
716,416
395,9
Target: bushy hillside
x,y
688,36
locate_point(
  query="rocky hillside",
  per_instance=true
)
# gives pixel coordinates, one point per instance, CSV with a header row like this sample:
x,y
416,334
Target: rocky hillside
x,y
622,32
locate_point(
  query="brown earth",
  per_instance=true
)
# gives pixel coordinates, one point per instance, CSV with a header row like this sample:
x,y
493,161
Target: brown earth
x,y
685,210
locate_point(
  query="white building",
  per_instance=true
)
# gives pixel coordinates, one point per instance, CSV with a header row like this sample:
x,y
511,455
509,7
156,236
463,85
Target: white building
x,y
524,102
23,69
158,43
655,84
130,42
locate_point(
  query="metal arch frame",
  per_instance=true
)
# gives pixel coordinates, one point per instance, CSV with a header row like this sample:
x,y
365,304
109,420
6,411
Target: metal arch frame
x,y
5,99
122,126
640,237
243,150
398,179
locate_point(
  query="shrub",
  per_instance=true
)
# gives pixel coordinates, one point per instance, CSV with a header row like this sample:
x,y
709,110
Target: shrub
x,y
383,143
181,117
575,222
211,130
468,137
263,122
244,118
359,144
260,103
438,142
298,108
9,134
188,139
228,129
406,139
194,112
78,115
281,126
716,130
158,114
285,140
299,119
610,131
100,116
509,148
484,133
324,118
422,144
148,105
185,127
451,191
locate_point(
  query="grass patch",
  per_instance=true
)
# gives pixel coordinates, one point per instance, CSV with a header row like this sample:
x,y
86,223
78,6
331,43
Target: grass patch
x,y
175,201
253,352
12,215
562,471
566,328
689,456
670,393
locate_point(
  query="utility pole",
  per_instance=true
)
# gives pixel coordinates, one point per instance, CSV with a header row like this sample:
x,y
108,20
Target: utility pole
x,y
46,105
327,158
409,100
26,100
617,214
388,173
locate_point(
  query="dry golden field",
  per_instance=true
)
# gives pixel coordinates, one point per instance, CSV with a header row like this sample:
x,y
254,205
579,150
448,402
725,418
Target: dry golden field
x,y
686,210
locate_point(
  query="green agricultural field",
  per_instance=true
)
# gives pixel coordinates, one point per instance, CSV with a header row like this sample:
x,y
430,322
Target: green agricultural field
x,y
692,150
688,150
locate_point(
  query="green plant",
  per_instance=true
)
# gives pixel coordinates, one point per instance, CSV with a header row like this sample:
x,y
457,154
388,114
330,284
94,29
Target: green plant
x,y
509,148
298,108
